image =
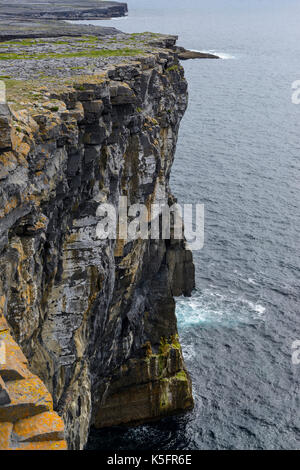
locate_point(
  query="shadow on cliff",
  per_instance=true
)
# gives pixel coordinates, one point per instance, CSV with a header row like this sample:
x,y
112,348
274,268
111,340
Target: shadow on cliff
x,y
169,433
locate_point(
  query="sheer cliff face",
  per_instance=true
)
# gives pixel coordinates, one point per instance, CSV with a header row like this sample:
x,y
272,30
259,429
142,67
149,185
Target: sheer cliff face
x,y
95,318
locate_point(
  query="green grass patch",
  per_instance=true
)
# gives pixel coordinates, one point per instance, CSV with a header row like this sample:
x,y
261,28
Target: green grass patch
x,y
164,346
22,42
79,87
181,375
172,68
22,91
87,53
88,39
65,40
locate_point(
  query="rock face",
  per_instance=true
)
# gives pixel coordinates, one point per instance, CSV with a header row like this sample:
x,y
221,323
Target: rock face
x,y
5,127
95,318
27,419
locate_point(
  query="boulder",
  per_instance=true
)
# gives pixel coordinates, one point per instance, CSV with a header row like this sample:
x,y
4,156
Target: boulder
x,y
121,93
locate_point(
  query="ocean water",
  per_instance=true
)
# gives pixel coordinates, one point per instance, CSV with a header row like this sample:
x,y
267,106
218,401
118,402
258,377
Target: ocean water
x,y
238,153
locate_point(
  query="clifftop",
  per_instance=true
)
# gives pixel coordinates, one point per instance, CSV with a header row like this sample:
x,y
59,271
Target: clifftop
x,y
46,59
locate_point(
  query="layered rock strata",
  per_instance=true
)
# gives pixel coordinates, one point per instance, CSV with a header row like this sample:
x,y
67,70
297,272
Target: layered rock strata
x,y
95,318
27,419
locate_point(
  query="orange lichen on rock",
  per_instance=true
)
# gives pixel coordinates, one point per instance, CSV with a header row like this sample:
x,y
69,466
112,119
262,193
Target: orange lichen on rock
x,y
18,144
27,419
28,397
13,352
43,427
5,435
8,160
10,205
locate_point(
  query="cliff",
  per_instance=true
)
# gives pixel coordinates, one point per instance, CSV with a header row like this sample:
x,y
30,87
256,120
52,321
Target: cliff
x,y
94,318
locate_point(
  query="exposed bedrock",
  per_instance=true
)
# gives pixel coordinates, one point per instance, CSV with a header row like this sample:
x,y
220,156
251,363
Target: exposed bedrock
x,y
96,318
27,419
184,54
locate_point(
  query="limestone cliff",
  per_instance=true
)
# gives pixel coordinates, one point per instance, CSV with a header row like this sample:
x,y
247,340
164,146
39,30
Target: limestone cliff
x,y
95,318
27,419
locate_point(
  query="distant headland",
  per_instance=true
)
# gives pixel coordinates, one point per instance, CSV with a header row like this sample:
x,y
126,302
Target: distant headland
x,y
61,9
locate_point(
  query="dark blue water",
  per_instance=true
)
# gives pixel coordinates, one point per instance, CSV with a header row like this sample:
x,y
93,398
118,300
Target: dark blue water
x,y
238,153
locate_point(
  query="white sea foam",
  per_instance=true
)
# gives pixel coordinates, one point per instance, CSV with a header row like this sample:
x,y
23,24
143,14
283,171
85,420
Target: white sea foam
x,y
189,351
215,308
119,18
260,309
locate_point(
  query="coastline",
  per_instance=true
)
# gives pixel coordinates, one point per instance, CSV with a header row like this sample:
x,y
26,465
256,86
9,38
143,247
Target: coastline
x,y
23,10
100,70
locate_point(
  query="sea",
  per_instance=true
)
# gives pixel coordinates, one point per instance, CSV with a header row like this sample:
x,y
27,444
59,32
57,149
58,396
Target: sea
x,y
238,154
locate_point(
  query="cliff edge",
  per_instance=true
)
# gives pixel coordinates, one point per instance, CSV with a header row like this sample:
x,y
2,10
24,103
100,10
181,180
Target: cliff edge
x,y
89,121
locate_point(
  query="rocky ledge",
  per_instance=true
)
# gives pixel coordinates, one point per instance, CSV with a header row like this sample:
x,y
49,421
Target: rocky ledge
x,y
27,419
86,122
185,54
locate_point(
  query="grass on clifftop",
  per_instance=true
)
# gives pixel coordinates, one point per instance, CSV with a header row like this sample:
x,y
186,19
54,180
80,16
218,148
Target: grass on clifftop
x,y
63,40
24,93
87,53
